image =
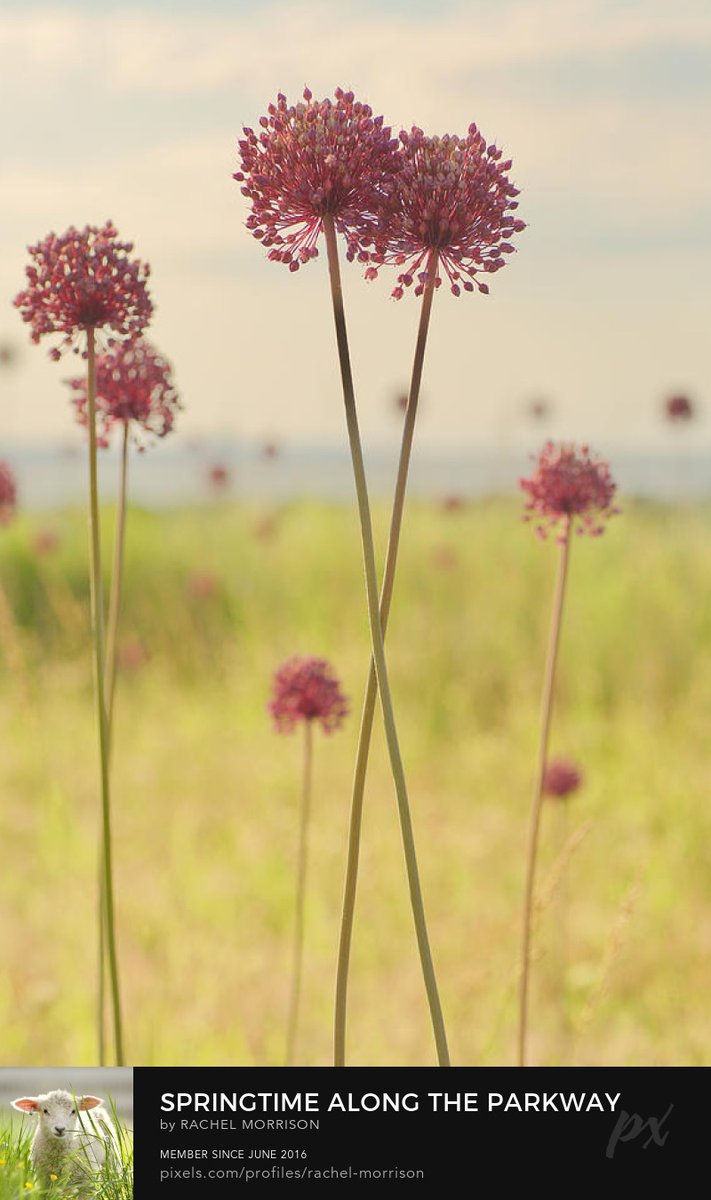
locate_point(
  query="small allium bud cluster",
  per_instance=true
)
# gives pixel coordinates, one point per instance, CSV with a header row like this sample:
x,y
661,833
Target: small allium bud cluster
x,y
8,493
539,410
45,542
8,354
571,488
306,689
679,409
451,195
134,386
84,279
561,778
313,158
218,477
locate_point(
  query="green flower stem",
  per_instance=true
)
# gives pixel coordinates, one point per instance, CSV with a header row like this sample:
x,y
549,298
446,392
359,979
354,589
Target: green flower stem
x,y
298,955
101,997
110,688
366,726
563,926
106,912
378,648
116,584
535,821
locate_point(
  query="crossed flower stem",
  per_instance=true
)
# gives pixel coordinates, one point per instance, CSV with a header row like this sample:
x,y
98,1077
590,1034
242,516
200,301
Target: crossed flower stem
x,y
536,807
378,649
106,899
298,951
366,726
110,688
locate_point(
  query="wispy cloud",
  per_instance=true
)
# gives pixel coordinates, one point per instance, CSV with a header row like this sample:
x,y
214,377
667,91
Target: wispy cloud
x,y
133,113
205,51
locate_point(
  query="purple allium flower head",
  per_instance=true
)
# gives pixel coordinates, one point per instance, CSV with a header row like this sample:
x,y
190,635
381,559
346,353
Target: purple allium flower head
x,y
313,158
306,689
561,778
568,485
8,494
134,386
679,409
84,279
451,195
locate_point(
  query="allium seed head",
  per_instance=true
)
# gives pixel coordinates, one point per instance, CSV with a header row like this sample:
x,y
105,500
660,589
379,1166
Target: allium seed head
x,y
8,494
561,778
84,279
306,689
134,387
310,159
451,195
569,487
679,409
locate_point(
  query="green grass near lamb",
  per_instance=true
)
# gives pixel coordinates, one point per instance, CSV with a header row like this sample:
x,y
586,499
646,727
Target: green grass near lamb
x,y
18,1179
206,795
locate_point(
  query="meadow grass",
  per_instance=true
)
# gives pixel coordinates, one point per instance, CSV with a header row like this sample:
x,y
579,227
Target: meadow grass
x,y
206,796
18,1179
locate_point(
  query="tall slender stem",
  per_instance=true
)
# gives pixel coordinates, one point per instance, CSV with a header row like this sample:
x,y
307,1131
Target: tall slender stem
x,y
376,633
116,584
535,821
101,996
110,687
97,623
563,907
366,725
303,860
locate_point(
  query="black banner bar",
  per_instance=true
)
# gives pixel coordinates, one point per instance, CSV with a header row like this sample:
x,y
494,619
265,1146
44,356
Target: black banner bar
x,y
211,1132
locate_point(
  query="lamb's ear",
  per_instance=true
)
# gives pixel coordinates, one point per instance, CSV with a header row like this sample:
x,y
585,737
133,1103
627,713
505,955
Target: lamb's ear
x,y
89,1102
26,1104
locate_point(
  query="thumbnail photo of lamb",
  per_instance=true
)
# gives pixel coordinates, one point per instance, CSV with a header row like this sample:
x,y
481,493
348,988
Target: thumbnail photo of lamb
x,y
66,1132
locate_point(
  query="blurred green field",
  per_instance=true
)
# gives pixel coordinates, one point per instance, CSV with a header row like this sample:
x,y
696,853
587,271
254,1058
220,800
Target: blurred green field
x,y
206,795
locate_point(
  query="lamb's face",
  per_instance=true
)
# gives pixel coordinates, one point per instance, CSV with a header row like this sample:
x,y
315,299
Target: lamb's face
x,y
58,1112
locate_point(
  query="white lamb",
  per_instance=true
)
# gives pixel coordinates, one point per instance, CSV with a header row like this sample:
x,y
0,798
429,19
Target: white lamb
x,y
67,1144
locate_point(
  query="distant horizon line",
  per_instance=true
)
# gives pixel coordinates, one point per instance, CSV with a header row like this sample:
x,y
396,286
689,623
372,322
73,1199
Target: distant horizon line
x,y
182,443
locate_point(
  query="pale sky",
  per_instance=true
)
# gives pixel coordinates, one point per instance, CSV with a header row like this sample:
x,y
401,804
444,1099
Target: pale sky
x,y
132,111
